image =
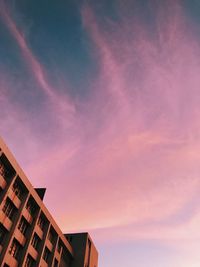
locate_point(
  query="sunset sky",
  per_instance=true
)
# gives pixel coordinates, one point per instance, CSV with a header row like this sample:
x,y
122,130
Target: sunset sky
x,y
100,104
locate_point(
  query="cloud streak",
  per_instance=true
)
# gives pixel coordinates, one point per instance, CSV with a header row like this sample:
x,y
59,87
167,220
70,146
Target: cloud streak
x,y
145,162
62,102
133,146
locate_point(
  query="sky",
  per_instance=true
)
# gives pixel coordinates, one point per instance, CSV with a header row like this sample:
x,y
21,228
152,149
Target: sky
x,y
100,104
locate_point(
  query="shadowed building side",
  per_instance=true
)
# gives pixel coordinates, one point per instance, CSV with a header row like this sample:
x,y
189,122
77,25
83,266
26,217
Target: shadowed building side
x,y
85,253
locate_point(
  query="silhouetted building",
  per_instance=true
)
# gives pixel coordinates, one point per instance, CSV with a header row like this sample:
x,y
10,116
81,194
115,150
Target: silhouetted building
x,y
29,236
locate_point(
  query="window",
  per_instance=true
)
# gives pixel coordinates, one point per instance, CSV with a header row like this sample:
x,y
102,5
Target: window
x,y
3,170
6,169
35,241
17,188
31,206
41,222
29,261
51,236
59,247
15,249
55,263
3,232
1,190
23,225
9,208
46,254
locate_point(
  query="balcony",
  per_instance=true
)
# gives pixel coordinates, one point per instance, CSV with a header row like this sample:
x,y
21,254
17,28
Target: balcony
x,y
7,223
16,201
2,182
49,245
20,237
11,261
27,215
43,263
33,252
39,232
57,255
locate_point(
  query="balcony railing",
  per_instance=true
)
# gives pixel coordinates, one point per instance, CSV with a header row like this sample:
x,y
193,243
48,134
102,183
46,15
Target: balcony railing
x,y
27,215
20,237
33,252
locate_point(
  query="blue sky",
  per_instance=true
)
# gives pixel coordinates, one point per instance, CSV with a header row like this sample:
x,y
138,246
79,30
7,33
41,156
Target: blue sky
x,y
101,100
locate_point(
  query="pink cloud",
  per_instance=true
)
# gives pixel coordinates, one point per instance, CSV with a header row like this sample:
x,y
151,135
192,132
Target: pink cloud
x,y
144,163
110,70
130,161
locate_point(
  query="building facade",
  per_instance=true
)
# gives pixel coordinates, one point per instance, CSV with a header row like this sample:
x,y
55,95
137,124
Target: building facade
x,y
29,236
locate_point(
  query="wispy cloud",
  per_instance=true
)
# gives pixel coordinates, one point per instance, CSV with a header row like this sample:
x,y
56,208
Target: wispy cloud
x,y
62,102
129,159
144,163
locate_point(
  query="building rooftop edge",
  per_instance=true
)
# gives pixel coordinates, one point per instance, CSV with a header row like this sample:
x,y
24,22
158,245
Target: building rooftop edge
x,y
33,192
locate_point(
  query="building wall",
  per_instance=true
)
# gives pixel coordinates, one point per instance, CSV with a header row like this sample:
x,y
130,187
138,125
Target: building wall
x,y
85,253
93,261
29,236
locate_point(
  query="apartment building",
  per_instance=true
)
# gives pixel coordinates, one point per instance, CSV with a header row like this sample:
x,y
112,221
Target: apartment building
x,y
29,236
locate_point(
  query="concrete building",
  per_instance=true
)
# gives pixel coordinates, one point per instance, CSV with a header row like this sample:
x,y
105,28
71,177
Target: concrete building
x,y
29,236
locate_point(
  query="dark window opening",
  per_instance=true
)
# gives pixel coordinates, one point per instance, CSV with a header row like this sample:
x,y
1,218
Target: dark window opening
x,y
41,222
29,261
9,209
59,247
46,255
23,225
3,233
35,241
55,263
6,169
15,249
31,206
52,235
19,188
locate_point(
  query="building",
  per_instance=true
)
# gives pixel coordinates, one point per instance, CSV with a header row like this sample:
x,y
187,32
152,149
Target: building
x,y
29,236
